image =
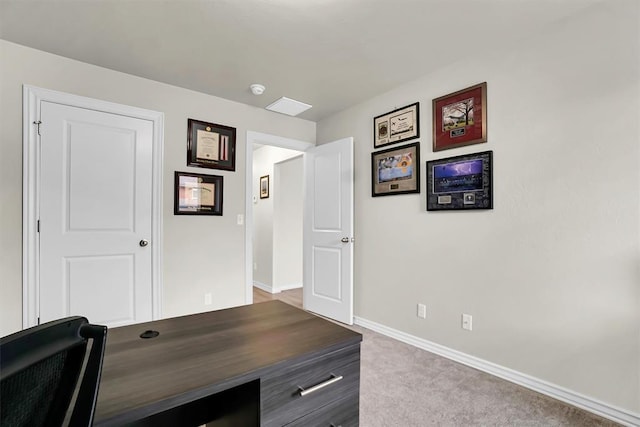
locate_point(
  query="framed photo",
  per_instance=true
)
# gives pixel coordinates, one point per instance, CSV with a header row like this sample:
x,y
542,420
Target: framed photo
x,y
461,182
460,118
264,187
197,194
211,146
397,126
396,170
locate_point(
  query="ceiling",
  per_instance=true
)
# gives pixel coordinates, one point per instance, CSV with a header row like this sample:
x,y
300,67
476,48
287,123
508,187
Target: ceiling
x,y
328,53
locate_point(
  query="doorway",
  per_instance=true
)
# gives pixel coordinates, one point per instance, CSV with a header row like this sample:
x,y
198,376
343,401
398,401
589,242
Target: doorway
x,y
328,210
278,176
254,204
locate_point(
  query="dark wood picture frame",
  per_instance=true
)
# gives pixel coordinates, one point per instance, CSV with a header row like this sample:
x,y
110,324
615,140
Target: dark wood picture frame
x,y
460,182
210,145
264,187
460,118
396,170
197,194
396,126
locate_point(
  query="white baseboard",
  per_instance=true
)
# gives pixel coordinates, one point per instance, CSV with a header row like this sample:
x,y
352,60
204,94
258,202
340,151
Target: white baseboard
x,y
276,289
266,288
289,287
621,416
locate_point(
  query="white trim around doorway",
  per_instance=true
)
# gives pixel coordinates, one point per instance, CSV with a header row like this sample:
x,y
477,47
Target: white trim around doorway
x,y
264,139
32,98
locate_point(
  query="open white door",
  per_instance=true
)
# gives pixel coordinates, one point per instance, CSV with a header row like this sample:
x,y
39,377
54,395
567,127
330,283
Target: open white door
x,y
328,230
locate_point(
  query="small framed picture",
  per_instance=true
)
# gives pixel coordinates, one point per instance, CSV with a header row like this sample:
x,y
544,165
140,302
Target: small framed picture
x,y
460,118
197,194
461,182
396,170
211,146
264,187
397,126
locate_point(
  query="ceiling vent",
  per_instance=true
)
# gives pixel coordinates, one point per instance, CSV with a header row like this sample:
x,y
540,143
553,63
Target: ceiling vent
x,y
288,106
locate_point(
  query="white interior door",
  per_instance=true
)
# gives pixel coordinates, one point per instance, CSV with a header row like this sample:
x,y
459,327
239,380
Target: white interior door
x,y
95,216
328,230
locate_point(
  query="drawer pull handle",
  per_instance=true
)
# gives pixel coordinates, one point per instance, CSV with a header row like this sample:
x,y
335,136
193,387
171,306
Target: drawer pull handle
x,y
330,381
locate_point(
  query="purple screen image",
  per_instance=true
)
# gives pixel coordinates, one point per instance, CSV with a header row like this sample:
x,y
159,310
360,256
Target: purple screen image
x,y
447,170
458,177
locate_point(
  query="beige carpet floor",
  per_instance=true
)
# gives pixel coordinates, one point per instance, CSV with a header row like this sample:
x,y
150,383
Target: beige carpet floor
x,y
404,386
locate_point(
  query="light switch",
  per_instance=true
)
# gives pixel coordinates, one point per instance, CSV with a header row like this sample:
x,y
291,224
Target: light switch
x,y
467,322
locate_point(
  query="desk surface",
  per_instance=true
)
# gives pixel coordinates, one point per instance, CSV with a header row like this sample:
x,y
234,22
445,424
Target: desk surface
x,y
198,355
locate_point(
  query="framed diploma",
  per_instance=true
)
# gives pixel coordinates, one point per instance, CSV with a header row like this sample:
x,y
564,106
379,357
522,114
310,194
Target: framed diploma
x,y
396,170
211,146
197,194
460,183
460,118
397,126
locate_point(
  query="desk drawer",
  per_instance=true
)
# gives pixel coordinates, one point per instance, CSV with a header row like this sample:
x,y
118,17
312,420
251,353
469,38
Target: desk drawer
x,y
308,386
341,413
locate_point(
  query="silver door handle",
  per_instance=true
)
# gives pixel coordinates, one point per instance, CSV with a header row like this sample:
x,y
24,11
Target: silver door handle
x,y
144,243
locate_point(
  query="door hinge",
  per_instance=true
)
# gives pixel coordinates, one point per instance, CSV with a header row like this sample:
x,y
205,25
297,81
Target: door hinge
x,y
38,320
38,227
38,123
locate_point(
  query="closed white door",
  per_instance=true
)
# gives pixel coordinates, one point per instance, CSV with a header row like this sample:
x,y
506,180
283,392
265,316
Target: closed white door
x,y
95,216
328,230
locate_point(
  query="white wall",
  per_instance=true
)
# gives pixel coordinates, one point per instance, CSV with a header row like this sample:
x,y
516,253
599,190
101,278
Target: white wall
x,y
551,275
264,159
201,254
287,223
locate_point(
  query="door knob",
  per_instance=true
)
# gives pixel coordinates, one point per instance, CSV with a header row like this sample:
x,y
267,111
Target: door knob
x,y
345,240
144,243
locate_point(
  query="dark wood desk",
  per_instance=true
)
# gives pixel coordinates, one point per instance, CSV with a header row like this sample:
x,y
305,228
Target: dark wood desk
x,y
241,366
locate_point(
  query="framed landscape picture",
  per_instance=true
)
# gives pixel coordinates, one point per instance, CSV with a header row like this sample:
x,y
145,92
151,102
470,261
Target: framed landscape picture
x,y
460,182
264,187
397,126
460,118
396,170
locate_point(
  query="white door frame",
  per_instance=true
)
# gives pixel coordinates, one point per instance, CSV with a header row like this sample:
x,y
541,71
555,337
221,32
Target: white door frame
x,y
32,97
264,139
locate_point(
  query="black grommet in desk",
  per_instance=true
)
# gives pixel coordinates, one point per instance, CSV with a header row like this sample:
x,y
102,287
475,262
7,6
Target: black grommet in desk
x,y
149,334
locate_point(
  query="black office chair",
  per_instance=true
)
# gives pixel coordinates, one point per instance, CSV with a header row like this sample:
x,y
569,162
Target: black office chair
x,y
39,372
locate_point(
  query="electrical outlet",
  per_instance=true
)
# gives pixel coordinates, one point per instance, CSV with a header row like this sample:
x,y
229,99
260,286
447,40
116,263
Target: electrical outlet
x,y
207,298
240,219
255,265
422,311
467,322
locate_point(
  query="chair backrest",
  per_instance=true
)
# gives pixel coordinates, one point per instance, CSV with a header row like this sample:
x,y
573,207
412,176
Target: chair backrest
x,y
39,372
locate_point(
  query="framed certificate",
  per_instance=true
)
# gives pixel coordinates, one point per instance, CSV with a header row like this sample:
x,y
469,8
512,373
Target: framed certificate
x,y
211,146
197,194
397,126
396,170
